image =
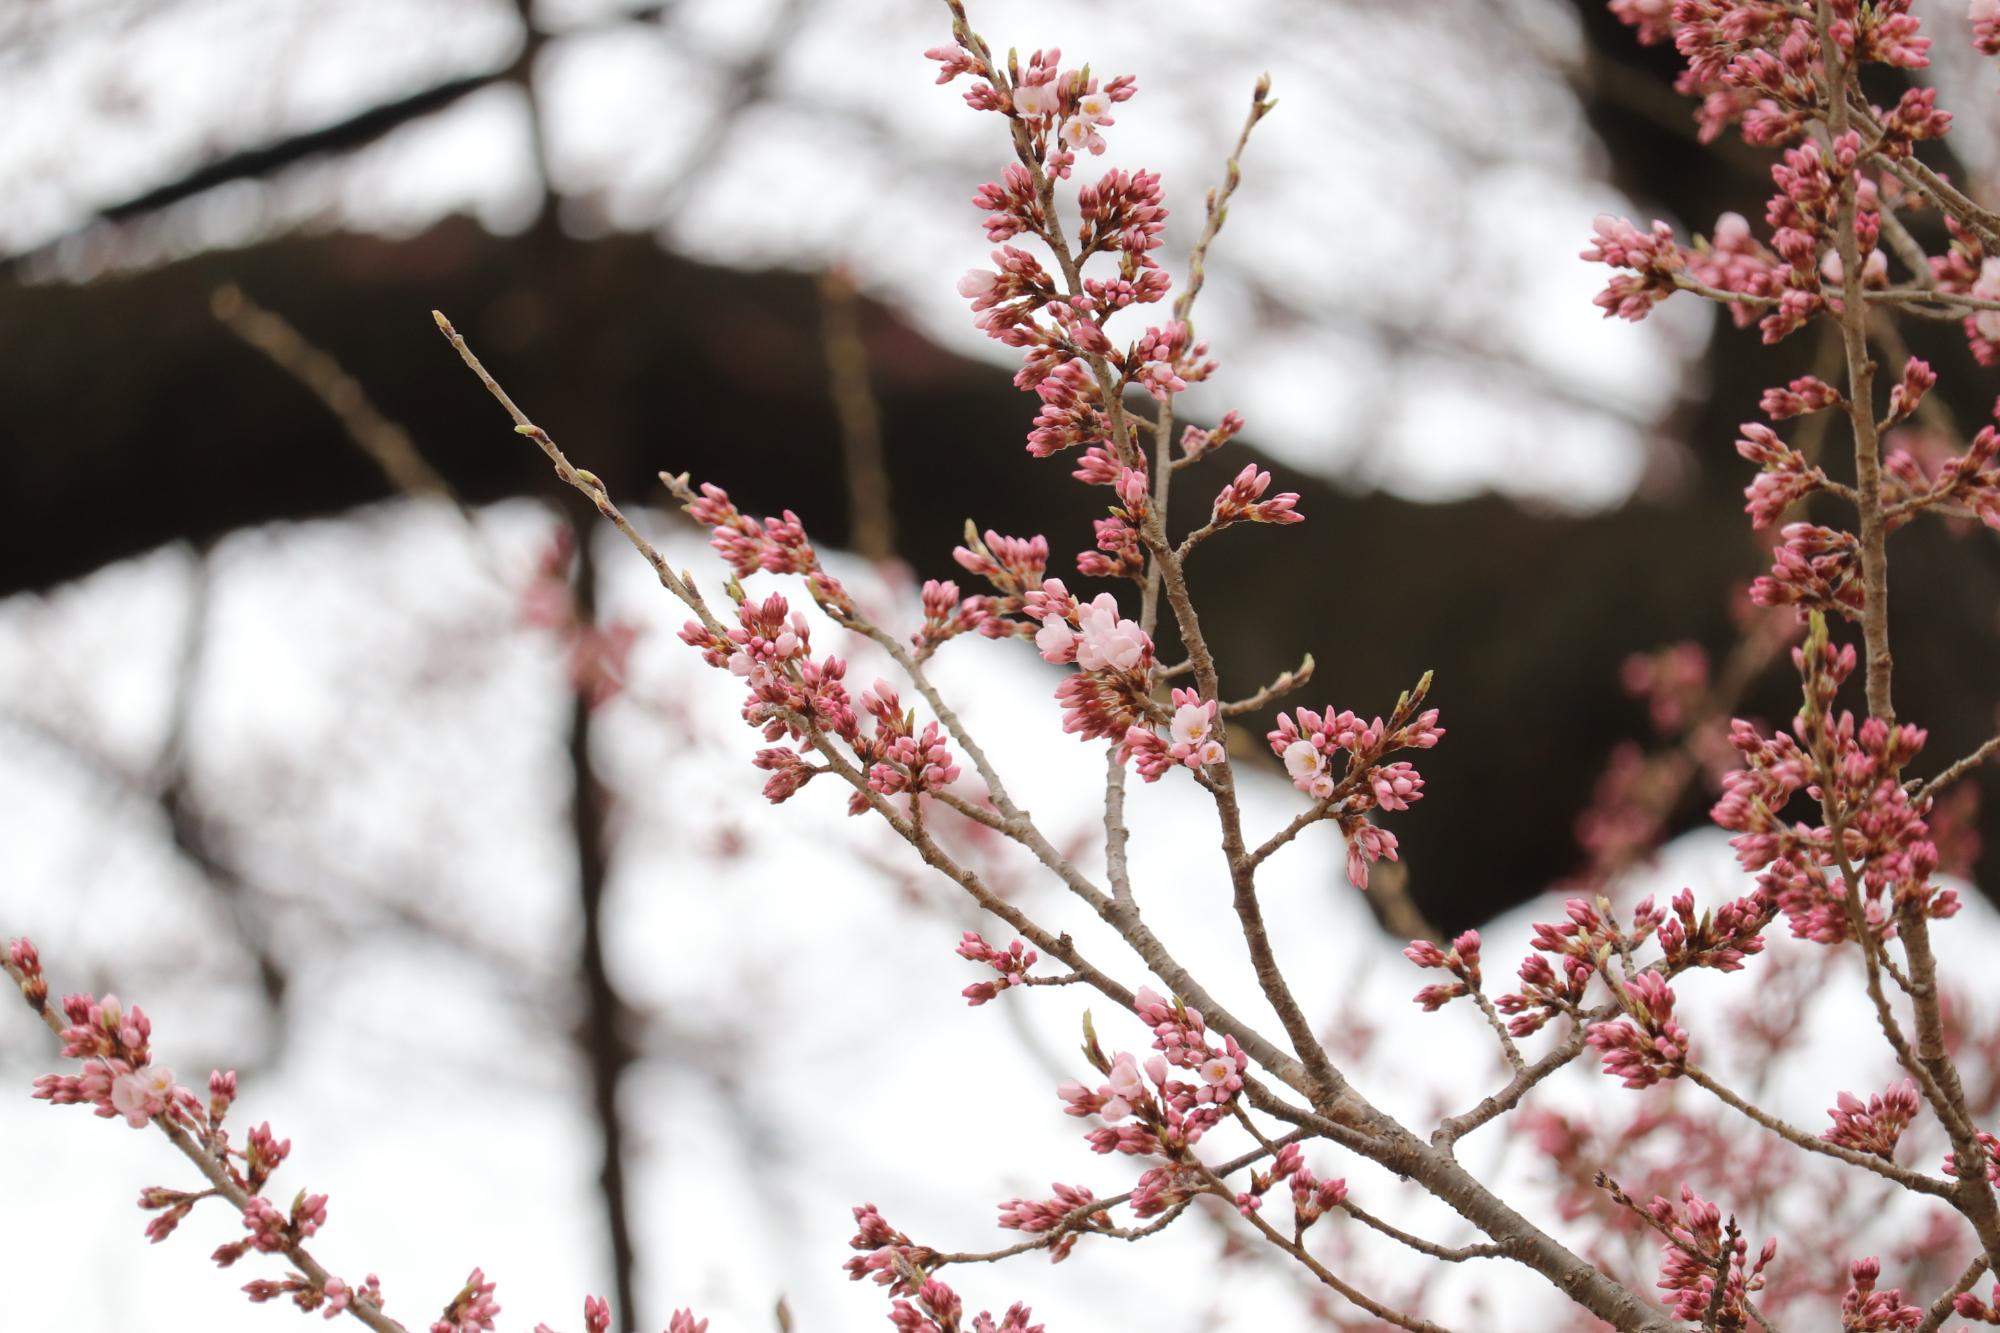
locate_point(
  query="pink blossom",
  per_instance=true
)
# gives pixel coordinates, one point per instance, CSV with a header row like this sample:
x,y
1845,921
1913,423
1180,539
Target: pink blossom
x,y
1080,134
977,283
141,1094
1307,765
1124,1078
1057,641
1987,322
1036,99
1106,641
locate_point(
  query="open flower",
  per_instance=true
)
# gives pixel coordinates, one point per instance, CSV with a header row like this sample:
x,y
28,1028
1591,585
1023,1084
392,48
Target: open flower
x,y
142,1093
1107,642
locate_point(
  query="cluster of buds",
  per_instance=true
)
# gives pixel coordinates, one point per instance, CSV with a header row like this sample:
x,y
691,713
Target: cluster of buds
x,y
1966,269
1197,442
1555,978
899,758
1646,1046
791,697
923,1303
1122,215
1814,568
884,1254
948,615
1242,501
1145,1110
777,546
25,964
120,1081
1874,1126
1012,566
1865,1309
1784,476
1069,1214
1193,739
1790,279
1312,1198
1308,743
1180,1035
1730,259
273,1231
471,1310
1461,960
118,1078
1653,258
794,698
1699,1249
1011,964
333,1299
1720,939
1964,484
1987,1153
1854,771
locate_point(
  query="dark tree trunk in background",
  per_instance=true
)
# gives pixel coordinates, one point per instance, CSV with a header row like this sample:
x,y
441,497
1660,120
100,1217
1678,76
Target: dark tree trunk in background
x,y
132,418
135,419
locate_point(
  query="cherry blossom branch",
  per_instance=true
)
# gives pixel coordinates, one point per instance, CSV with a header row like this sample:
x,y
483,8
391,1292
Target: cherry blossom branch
x,y
1860,396
1508,1050
1914,1181
1298,1252
1957,770
1453,1128
222,1183
1451,1254
1941,1308
1072,1222
1394,1143
1288,681
1122,917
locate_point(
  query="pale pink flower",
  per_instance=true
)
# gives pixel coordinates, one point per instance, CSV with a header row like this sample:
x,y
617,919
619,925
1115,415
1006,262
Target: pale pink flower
x,y
1191,724
977,282
1125,1078
1216,1070
1079,134
1056,640
1304,761
1036,99
1988,289
142,1093
1106,641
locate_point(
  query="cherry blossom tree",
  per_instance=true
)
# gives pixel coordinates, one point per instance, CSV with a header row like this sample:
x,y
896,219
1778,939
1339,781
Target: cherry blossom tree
x,y
1207,1106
